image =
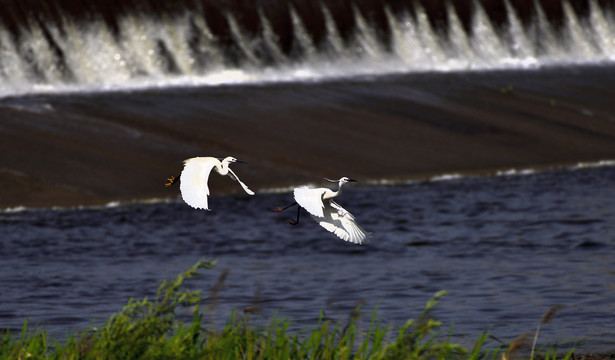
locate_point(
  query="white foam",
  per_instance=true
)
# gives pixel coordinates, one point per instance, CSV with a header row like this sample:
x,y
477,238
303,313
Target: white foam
x,y
592,164
446,177
15,209
513,172
526,171
155,51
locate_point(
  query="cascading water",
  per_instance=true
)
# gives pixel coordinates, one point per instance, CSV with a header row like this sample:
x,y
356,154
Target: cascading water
x,y
180,47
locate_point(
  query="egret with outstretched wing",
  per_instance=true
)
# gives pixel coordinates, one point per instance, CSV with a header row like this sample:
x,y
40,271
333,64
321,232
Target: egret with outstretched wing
x,y
193,179
327,213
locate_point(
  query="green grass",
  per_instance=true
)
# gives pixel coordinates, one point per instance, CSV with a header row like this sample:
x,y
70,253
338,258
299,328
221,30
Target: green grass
x,y
152,329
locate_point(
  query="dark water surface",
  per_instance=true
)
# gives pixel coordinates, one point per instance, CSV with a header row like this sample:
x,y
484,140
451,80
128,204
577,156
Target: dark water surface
x,y
506,248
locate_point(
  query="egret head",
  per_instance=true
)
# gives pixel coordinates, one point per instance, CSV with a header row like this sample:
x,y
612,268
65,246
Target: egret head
x,y
230,159
341,180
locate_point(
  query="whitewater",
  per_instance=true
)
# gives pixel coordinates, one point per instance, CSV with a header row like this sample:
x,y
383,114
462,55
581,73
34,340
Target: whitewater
x,y
180,49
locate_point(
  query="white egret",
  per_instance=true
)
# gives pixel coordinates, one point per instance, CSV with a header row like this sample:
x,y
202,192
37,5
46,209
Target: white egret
x,y
327,213
194,177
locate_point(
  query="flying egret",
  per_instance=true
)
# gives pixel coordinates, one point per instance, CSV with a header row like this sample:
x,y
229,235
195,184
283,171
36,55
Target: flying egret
x,y
327,213
194,177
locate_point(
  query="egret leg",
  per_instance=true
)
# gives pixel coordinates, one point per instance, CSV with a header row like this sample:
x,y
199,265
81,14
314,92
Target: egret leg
x,y
171,180
292,222
279,209
295,222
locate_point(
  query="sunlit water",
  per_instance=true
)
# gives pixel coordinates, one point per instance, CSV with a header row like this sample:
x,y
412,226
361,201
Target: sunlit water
x,y
506,248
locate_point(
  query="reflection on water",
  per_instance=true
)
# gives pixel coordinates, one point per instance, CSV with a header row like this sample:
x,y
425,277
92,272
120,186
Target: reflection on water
x,y
506,248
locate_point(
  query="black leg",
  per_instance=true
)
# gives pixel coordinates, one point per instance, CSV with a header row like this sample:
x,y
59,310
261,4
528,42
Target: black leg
x,y
295,222
279,209
292,222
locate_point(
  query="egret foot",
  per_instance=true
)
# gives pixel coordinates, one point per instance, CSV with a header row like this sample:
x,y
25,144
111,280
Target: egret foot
x,y
170,181
280,209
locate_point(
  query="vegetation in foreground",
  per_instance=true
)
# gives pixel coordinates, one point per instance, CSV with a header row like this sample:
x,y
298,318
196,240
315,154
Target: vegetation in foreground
x,y
146,329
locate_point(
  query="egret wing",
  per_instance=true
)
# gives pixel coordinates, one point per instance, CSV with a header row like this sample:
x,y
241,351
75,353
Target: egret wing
x,y
193,181
234,177
310,200
340,222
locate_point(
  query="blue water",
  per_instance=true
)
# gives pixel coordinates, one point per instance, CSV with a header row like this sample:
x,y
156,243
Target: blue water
x,y
506,248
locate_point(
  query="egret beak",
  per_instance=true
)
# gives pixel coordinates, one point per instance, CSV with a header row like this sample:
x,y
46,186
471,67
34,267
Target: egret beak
x,y
236,160
334,181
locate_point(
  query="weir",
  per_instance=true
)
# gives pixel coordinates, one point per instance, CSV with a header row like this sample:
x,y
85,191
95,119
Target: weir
x,y
63,45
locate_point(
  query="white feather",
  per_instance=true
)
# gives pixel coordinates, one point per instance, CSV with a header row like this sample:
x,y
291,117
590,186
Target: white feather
x,y
234,177
329,214
340,222
193,181
195,175
310,200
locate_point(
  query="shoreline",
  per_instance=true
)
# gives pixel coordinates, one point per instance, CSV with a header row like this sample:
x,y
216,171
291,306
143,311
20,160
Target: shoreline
x,y
418,178
92,149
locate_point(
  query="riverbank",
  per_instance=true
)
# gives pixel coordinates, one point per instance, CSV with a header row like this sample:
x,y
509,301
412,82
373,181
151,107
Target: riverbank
x,y
94,148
